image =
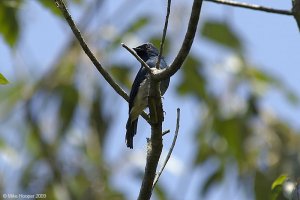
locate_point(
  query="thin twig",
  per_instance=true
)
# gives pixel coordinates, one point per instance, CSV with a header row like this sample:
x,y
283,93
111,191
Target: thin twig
x,y
252,7
137,57
164,34
166,132
170,151
186,45
60,4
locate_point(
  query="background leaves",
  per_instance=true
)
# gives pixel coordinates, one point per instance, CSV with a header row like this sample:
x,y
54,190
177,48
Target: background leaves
x,y
222,34
67,120
3,80
9,28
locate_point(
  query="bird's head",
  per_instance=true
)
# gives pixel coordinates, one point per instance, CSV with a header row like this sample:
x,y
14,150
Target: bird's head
x,y
146,50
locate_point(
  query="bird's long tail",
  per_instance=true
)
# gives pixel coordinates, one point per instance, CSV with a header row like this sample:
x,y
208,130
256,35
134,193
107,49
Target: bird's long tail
x,y
130,132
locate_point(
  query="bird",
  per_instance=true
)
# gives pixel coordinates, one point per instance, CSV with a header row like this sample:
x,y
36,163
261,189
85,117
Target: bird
x,y
138,98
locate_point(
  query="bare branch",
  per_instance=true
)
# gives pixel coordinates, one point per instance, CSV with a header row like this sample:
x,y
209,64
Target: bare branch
x,y
170,151
252,7
137,57
186,45
166,132
164,34
155,145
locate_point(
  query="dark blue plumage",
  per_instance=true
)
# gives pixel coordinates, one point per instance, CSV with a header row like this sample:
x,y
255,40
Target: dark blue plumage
x,y
138,98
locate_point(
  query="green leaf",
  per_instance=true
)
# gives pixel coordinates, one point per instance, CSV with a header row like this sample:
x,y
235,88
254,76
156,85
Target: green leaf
x,y
205,152
216,177
121,74
279,181
222,34
97,120
291,97
132,28
277,186
3,80
193,80
69,100
232,131
156,42
2,143
50,5
137,25
9,25
259,76
27,174
160,192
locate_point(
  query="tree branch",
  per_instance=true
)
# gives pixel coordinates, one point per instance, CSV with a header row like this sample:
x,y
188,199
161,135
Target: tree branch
x,y
154,147
170,151
252,7
186,45
164,34
60,4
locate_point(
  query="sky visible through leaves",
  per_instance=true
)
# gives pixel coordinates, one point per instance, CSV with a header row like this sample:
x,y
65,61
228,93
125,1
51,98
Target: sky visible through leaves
x,y
240,80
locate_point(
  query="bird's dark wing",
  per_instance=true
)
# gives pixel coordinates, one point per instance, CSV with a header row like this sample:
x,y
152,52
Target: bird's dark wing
x,y
131,126
140,77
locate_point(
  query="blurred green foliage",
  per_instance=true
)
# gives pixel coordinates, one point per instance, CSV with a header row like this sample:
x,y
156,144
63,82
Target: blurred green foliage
x,y
51,6
9,28
277,186
3,80
222,34
234,129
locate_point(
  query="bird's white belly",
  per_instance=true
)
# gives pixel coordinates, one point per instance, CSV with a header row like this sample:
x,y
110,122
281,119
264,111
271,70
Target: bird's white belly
x,y
141,100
